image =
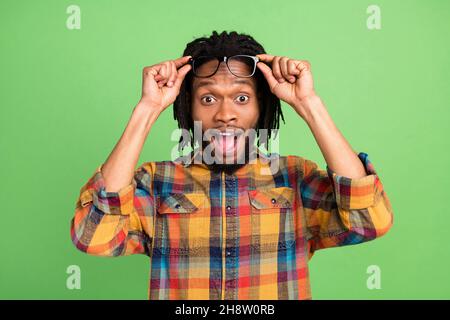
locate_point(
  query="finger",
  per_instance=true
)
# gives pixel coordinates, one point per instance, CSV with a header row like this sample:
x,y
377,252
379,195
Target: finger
x,y
277,70
149,73
292,67
267,72
181,61
165,75
160,76
284,69
303,65
265,57
153,71
173,75
181,74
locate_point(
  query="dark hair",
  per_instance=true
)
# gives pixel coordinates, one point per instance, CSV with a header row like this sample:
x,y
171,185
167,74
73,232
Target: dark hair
x,y
227,44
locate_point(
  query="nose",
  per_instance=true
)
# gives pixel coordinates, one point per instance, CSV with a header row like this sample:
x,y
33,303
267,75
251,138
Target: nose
x,y
225,114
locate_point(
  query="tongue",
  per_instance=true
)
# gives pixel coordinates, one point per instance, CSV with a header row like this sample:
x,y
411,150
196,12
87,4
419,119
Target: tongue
x,y
225,143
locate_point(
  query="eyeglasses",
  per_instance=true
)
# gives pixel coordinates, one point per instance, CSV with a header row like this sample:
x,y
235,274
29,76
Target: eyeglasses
x,y
241,65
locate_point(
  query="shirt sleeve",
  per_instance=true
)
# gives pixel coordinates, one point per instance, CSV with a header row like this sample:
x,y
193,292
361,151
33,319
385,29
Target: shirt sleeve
x,y
115,223
343,211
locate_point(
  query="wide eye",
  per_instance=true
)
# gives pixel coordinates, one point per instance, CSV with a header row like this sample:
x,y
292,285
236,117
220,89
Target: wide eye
x,y
243,98
207,99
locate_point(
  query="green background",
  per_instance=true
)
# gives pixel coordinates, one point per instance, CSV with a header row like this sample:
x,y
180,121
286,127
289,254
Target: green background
x,y
66,96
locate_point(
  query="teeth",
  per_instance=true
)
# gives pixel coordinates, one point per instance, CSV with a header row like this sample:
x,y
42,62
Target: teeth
x,y
229,133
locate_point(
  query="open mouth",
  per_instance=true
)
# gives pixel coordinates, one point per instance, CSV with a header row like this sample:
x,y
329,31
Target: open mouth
x,y
226,142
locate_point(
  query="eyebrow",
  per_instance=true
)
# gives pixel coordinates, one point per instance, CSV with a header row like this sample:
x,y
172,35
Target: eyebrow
x,y
203,83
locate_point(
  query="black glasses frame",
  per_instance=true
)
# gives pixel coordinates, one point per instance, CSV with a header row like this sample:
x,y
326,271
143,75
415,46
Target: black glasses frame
x,y
224,59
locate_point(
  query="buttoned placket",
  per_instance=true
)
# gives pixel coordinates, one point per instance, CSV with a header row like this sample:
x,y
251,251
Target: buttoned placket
x,y
230,230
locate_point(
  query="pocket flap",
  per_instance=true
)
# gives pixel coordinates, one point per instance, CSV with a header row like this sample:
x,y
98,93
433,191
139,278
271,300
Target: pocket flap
x,y
281,197
181,202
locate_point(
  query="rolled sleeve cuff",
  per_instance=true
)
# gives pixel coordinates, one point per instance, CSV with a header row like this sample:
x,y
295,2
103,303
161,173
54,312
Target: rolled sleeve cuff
x,y
120,202
357,193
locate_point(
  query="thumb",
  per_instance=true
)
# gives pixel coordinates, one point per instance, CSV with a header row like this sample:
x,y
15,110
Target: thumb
x,y
182,74
267,72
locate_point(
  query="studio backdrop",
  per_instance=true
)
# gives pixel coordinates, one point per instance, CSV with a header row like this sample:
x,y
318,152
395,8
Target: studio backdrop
x,y
70,76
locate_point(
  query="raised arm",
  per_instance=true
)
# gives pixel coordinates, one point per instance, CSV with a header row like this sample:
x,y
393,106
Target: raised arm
x,y
114,212
160,86
345,204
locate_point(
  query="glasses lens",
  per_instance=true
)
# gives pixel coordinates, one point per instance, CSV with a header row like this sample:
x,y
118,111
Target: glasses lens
x,y
205,66
241,66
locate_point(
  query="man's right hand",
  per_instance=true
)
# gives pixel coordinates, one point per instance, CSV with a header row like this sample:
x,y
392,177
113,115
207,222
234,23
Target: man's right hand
x,y
157,95
161,82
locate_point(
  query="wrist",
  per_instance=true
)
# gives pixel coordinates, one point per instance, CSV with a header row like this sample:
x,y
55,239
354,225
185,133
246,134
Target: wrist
x,y
308,106
316,116
144,115
148,105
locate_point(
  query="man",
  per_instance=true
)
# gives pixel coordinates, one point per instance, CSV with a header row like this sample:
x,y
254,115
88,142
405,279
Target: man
x,y
229,229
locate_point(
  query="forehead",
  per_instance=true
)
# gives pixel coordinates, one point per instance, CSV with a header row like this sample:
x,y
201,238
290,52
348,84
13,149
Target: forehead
x,y
223,77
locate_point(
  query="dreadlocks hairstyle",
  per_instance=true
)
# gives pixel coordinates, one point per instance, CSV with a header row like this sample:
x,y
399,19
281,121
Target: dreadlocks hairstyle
x,y
227,44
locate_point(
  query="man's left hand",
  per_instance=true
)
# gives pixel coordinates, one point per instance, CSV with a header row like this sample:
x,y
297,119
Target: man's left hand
x,y
290,80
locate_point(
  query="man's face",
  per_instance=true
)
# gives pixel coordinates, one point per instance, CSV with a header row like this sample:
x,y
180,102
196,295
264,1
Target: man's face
x,y
228,104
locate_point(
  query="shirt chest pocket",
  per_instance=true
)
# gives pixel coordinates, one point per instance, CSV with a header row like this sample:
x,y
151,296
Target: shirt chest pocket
x,y
272,220
182,224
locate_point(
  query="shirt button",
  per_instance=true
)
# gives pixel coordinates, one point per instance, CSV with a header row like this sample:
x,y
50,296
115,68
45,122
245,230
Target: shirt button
x,y
228,208
228,253
273,200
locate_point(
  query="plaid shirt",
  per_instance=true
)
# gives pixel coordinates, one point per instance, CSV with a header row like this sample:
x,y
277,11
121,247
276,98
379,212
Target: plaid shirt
x,y
248,235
